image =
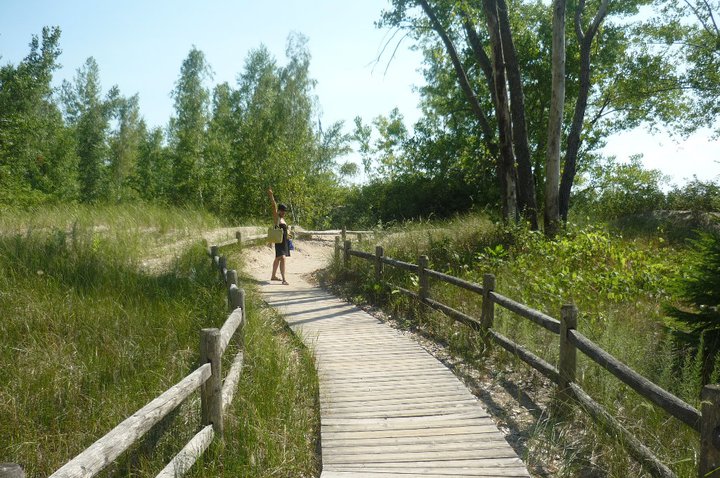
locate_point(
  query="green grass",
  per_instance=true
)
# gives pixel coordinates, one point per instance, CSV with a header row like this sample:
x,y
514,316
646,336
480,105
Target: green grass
x,y
273,429
618,285
89,337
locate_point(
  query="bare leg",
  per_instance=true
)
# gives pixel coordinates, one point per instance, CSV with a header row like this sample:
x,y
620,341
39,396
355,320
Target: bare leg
x,y
282,269
276,262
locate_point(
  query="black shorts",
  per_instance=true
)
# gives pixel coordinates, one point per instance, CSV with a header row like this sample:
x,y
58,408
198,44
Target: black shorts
x,y
281,249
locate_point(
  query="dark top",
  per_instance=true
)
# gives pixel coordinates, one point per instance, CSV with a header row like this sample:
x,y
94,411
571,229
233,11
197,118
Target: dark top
x,y
281,248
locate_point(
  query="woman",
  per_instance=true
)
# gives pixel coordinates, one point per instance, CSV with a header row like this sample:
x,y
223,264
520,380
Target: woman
x,y
281,249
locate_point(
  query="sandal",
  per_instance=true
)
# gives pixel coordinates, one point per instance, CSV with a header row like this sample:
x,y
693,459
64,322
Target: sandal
x,y
285,282
274,278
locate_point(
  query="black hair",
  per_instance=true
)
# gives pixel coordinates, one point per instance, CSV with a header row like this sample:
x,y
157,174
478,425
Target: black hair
x,y
282,207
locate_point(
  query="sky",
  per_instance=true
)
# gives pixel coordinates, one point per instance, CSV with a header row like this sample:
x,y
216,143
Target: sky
x,y
140,46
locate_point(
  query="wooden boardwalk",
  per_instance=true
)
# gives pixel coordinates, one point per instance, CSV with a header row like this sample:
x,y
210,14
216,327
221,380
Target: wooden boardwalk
x,y
388,408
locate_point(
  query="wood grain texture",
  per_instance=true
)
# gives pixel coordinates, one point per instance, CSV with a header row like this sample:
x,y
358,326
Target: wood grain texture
x,y
388,407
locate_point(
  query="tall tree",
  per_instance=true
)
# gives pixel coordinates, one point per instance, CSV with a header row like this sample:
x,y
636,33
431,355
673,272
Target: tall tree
x,y
557,102
506,171
125,145
188,126
218,153
153,177
585,38
36,157
88,113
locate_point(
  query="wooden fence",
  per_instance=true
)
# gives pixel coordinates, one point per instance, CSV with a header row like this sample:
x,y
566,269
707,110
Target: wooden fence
x,y
706,422
216,395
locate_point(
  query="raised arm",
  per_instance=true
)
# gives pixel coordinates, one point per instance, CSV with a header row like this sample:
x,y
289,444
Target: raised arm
x,y
273,206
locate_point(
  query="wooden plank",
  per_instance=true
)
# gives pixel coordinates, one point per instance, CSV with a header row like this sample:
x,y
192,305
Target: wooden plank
x,y
355,436
388,408
405,423
413,444
430,396
186,458
378,456
464,435
104,451
494,472
436,466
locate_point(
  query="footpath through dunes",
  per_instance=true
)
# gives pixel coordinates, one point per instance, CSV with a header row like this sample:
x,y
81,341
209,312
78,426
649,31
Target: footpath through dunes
x,y
387,407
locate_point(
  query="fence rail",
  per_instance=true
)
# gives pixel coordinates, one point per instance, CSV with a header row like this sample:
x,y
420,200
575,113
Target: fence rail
x,y
215,396
707,423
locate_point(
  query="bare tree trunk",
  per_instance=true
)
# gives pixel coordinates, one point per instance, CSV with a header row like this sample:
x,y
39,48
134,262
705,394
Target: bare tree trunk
x,y
504,157
557,99
527,197
574,137
502,111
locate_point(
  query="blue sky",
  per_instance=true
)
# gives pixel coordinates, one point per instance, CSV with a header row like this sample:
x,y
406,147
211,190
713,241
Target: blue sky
x,y
140,45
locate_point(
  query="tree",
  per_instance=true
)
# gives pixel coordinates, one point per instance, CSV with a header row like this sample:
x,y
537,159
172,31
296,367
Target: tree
x,y
154,167
614,81
187,128
37,161
218,150
557,102
88,114
585,38
699,292
125,145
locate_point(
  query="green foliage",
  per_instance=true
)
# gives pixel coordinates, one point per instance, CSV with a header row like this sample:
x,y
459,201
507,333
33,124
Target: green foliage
x,y
88,337
618,285
88,115
613,190
37,162
407,197
220,155
187,128
273,426
698,288
696,195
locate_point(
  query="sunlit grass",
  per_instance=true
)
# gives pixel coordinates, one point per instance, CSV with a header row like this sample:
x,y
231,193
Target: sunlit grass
x,y
89,337
618,285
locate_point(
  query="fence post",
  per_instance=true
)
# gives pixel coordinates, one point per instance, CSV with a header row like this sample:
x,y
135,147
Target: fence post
x,y
11,470
347,254
423,278
359,236
231,280
337,249
568,354
213,251
343,233
488,306
232,277
710,432
222,265
378,263
211,390
238,236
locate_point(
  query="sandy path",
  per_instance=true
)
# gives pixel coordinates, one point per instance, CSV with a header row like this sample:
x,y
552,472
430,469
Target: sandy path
x,y
308,256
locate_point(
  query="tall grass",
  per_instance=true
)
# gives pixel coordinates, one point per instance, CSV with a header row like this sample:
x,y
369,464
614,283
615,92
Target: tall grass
x,y
273,429
618,285
89,336
87,339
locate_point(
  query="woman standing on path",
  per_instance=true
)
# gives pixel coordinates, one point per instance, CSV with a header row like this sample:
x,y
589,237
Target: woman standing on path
x,y
281,249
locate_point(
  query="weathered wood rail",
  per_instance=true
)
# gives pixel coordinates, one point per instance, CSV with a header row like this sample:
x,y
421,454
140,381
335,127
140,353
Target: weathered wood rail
x,y
706,422
216,395
388,408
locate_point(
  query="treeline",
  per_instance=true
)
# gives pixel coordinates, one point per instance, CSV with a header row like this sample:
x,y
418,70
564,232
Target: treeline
x,y
482,141
508,126
222,147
